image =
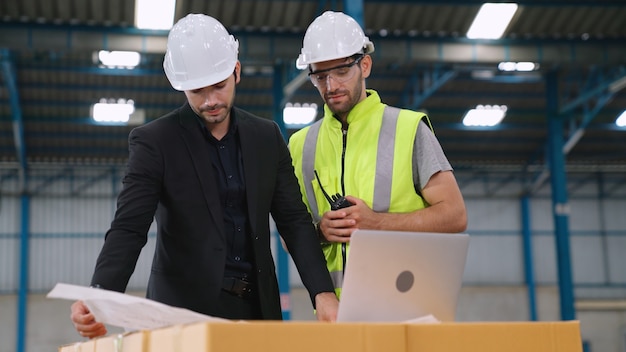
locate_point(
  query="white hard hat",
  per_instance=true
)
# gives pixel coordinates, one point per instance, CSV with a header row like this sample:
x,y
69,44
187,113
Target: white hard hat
x,y
332,35
200,53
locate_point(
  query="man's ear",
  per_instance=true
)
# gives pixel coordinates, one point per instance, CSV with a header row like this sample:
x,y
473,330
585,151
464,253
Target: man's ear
x,y
237,72
366,65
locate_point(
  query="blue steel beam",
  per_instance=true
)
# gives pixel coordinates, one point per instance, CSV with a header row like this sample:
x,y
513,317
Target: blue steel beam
x,y
268,111
22,305
8,71
422,89
60,176
401,47
595,94
560,206
282,258
586,120
598,90
354,9
292,86
529,271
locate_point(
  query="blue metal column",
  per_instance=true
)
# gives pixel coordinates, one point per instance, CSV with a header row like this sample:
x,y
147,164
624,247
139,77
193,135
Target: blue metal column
x,y
528,257
354,9
606,264
8,70
22,305
560,206
282,256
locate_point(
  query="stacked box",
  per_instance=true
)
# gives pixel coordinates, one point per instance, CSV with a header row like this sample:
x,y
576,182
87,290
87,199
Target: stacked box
x,y
276,336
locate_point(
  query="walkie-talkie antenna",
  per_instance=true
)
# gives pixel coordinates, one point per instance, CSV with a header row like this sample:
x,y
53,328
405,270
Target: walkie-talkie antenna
x,y
322,188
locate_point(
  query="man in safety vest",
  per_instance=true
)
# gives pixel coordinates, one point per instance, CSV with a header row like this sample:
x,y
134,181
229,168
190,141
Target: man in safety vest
x,y
385,161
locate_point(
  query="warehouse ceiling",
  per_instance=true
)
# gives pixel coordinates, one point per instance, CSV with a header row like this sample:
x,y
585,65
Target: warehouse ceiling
x,y
422,61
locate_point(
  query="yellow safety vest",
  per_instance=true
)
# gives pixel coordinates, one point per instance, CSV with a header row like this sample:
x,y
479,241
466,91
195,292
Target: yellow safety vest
x,y
374,163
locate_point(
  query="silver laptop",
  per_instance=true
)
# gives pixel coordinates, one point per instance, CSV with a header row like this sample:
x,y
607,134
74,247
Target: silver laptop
x,y
399,276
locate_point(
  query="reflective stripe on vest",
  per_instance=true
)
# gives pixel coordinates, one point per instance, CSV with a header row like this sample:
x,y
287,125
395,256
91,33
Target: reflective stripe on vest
x,y
384,163
308,167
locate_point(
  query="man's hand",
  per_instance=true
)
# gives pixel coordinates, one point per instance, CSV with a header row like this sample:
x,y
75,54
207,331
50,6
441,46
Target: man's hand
x,y
84,322
338,225
326,306
335,226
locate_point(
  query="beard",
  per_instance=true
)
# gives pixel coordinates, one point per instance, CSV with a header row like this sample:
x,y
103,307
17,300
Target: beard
x,y
217,113
351,96
214,114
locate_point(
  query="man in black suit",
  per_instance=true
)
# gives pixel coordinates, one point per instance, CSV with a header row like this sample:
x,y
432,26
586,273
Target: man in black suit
x,y
211,174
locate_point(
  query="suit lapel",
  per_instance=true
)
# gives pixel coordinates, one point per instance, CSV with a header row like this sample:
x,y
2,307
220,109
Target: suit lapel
x,y
201,159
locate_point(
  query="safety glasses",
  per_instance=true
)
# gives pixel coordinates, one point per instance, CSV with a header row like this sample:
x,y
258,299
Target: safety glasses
x,y
339,74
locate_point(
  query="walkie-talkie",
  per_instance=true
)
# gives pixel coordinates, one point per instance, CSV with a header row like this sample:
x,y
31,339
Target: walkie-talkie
x,y
337,201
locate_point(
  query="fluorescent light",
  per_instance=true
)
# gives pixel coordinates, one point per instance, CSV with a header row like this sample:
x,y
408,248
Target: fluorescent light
x,y
154,14
522,66
491,20
506,66
112,111
299,115
127,59
621,120
485,115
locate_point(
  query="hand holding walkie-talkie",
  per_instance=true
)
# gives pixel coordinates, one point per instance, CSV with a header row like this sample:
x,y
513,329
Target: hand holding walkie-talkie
x,y
337,201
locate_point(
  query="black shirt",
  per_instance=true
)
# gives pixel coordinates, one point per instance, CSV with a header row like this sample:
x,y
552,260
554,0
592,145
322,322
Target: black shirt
x,y
228,167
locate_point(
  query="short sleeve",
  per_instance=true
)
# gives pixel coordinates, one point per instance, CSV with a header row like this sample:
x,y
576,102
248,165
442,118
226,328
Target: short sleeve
x,y
428,156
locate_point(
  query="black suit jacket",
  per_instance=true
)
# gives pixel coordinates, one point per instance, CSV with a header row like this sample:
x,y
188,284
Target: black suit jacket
x,y
169,177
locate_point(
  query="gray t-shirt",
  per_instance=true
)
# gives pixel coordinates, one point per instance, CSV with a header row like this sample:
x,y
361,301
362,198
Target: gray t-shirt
x,y
428,157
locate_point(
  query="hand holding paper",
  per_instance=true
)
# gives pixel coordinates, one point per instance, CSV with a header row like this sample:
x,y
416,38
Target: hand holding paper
x,y
126,311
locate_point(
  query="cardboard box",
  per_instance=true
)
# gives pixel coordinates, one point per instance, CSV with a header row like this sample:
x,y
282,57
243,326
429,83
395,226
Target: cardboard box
x,y
495,337
292,336
111,343
130,342
276,336
86,346
136,342
166,339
